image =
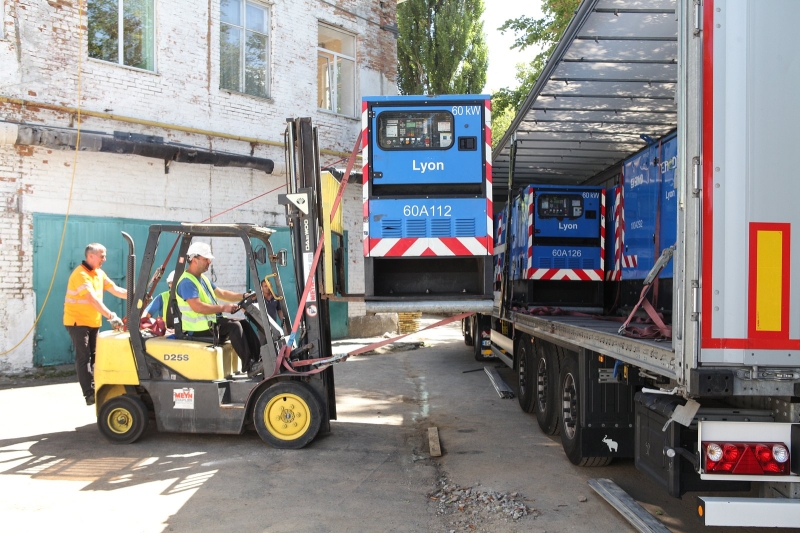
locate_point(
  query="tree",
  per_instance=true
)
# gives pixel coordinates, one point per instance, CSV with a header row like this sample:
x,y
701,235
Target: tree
x,y
441,48
544,32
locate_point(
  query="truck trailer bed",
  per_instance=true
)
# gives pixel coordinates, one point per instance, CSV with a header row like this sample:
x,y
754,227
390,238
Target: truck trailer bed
x,y
600,336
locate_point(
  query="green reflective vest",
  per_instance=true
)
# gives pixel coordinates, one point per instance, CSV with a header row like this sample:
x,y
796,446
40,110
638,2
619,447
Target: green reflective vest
x,y
190,320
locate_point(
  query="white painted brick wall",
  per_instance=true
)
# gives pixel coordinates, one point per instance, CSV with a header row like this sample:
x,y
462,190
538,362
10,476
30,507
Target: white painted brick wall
x,y
39,47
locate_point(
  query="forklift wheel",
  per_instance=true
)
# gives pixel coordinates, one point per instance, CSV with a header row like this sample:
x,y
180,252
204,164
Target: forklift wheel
x,y
287,415
123,419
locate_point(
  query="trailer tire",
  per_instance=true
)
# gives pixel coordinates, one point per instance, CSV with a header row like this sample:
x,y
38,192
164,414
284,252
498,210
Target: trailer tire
x,y
287,415
570,416
545,374
123,419
526,389
466,329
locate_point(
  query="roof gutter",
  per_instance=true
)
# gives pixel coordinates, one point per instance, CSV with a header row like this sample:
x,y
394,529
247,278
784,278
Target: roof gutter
x,y
582,13
125,143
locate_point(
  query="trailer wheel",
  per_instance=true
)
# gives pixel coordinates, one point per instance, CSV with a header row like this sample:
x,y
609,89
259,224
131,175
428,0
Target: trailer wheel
x,y
287,415
467,331
123,419
526,380
545,368
570,416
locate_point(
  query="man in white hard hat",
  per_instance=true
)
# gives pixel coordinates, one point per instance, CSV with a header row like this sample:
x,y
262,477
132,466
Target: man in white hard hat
x,y
197,298
158,307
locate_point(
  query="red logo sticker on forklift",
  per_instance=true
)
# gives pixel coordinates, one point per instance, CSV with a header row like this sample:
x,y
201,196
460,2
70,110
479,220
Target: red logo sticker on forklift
x,y
183,398
311,310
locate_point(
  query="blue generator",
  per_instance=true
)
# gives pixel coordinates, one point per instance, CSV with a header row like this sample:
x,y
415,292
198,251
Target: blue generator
x,y
428,218
563,257
649,218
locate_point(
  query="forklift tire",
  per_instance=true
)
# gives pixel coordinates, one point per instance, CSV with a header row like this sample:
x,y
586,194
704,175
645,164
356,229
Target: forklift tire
x,y
544,373
570,417
123,419
466,329
526,378
287,415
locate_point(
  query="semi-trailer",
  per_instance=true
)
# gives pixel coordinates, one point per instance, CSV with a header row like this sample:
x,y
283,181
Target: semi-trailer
x,y
683,352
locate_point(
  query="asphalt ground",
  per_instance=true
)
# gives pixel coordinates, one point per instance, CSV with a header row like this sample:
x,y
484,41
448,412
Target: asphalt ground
x,y
371,473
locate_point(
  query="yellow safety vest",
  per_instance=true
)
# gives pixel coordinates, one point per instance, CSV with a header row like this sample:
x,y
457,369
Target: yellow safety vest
x,y
190,320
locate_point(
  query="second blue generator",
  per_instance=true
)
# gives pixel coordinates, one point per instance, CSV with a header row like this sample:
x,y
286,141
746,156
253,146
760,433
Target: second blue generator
x,y
563,228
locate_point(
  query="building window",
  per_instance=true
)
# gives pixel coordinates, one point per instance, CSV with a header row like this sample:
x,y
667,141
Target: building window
x,y
336,71
244,47
134,20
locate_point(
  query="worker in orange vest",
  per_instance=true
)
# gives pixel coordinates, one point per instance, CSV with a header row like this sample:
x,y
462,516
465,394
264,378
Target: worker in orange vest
x,y
83,309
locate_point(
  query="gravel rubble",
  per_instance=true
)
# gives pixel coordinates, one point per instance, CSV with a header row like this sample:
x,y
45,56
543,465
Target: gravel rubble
x,y
473,509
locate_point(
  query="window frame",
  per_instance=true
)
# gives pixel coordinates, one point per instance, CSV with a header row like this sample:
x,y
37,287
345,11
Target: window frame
x,y
333,87
267,7
120,62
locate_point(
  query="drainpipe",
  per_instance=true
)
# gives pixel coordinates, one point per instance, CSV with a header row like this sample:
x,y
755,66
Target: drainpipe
x,y
125,143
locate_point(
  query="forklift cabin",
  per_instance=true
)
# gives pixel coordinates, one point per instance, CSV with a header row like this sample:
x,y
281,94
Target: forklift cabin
x,y
190,384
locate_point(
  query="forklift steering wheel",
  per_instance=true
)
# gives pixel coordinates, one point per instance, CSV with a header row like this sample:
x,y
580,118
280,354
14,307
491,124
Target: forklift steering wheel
x,y
248,297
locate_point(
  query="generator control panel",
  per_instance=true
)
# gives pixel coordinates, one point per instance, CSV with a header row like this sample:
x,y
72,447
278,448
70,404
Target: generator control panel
x,y
416,130
560,206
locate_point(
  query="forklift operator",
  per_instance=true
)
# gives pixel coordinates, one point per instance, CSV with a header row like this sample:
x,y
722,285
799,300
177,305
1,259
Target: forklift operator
x,y
197,301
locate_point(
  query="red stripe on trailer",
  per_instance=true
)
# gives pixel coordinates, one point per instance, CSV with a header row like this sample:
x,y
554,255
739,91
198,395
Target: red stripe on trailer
x,y
706,280
428,253
400,247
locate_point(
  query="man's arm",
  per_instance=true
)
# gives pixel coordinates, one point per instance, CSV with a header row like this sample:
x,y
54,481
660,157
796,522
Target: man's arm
x,y
117,291
210,309
98,304
228,296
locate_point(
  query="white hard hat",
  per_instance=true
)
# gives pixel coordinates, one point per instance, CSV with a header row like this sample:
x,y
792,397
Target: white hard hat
x,y
171,277
199,248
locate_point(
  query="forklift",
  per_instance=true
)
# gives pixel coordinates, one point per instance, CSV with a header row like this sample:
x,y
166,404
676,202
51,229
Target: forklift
x,y
190,384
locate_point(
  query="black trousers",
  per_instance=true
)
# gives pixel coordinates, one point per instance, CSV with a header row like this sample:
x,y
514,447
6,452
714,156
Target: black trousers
x,y
243,339
84,340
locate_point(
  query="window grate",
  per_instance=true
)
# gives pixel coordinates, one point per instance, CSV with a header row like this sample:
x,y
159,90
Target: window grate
x,y
416,227
391,229
465,227
440,227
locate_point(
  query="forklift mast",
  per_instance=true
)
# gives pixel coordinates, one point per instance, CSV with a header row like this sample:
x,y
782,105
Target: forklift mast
x,y
304,211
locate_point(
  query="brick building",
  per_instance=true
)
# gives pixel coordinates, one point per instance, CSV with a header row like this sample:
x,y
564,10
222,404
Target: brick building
x,y
220,77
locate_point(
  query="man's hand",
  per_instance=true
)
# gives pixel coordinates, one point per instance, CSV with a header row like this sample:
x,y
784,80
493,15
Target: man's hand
x,y
229,308
115,321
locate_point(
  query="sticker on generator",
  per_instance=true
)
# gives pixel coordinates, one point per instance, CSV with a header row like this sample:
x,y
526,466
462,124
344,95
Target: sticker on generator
x,y
311,310
183,398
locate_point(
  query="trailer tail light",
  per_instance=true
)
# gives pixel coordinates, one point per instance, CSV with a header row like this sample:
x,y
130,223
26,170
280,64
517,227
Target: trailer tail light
x,y
746,458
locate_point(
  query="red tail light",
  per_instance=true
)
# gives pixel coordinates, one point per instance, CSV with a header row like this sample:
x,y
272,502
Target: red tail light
x,y
746,458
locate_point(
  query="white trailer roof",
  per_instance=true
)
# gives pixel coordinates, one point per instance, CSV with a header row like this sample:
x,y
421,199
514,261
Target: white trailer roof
x,y
611,79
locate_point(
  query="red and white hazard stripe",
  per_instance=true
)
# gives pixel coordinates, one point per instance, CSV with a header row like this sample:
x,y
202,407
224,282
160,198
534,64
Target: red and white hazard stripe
x,y
427,247
530,233
602,231
566,274
487,125
365,172
630,261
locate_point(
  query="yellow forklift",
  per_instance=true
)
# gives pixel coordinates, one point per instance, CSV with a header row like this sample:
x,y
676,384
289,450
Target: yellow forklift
x,y
193,385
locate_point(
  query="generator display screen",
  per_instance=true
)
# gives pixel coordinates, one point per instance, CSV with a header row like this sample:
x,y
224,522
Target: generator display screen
x,y
559,206
415,130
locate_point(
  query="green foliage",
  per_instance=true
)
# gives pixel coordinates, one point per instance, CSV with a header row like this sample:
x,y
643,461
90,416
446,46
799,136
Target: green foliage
x,y
544,32
441,48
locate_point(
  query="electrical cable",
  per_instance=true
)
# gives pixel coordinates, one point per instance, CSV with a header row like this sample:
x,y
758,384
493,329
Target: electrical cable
x,y
71,185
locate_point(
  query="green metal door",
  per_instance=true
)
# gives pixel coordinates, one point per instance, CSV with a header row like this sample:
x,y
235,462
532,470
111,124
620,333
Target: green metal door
x,y
52,345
